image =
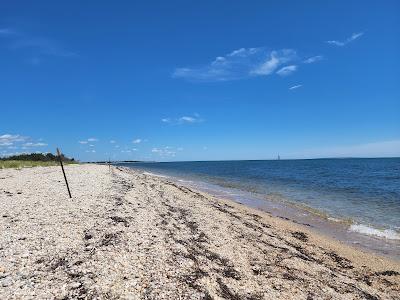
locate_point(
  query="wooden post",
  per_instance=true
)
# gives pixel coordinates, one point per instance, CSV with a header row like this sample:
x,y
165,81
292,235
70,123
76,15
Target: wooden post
x,y
62,167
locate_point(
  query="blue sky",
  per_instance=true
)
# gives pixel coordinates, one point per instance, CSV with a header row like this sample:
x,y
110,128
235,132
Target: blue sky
x,y
183,80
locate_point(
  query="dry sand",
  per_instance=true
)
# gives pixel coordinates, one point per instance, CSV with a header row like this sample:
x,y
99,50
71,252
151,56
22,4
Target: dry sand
x,y
129,235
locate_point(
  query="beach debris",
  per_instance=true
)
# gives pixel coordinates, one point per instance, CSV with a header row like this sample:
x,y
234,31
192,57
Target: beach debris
x,y
341,261
118,219
388,273
300,236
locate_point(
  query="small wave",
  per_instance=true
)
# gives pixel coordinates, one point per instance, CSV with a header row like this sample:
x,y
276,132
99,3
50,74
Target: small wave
x,y
387,233
153,174
335,220
185,181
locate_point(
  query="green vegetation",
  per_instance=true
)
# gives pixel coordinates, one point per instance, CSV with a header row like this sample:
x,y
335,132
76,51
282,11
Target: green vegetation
x,y
24,163
37,157
32,160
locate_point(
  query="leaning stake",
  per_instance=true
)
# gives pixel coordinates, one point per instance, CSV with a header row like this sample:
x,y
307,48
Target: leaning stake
x,y
62,168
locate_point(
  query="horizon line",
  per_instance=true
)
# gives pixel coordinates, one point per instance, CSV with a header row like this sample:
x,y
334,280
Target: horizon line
x,y
215,160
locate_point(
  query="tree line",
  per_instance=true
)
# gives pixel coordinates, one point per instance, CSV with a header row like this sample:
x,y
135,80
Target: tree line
x,y
37,157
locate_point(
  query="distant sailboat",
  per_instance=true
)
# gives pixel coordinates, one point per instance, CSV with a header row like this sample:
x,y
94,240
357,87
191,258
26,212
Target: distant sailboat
x,y
279,158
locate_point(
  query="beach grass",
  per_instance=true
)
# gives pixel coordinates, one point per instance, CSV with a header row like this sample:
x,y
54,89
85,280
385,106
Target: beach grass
x,y
18,164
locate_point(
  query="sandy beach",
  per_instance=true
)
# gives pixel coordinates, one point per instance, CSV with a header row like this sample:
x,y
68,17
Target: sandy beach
x,y
129,235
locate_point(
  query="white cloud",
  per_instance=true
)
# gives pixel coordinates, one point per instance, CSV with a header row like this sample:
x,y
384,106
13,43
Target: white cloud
x,y
89,140
295,87
285,71
112,142
164,152
276,59
12,138
91,151
34,144
242,52
15,141
241,63
195,118
137,141
353,37
267,67
7,140
313,59
187,119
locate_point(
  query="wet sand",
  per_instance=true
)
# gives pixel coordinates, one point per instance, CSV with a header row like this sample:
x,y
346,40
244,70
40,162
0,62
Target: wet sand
x,y
277,206
130,235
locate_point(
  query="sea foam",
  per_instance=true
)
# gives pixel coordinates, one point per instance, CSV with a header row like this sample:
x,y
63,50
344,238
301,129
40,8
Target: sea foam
x,y
153,174
364,229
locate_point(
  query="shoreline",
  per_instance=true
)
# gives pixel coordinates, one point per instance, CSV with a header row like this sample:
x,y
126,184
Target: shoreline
x,y
127,234
246,205
341,230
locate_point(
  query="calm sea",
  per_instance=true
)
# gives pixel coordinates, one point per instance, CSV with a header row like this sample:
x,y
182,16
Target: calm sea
x,y
362,193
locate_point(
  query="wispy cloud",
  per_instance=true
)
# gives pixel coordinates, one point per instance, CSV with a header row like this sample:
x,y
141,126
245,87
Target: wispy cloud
x,y
112,142
11,139
17,141
195,118
38,46
274,60
241,63
295,87
89,140
186,119
34,144
285,71
166,151
126,151
313,59
353,37
137,141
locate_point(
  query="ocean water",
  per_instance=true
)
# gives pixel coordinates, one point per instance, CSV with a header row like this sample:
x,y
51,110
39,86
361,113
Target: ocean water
x,y
364,194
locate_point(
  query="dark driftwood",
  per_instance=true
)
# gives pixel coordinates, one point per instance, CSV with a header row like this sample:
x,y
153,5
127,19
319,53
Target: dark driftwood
x,y
62,168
